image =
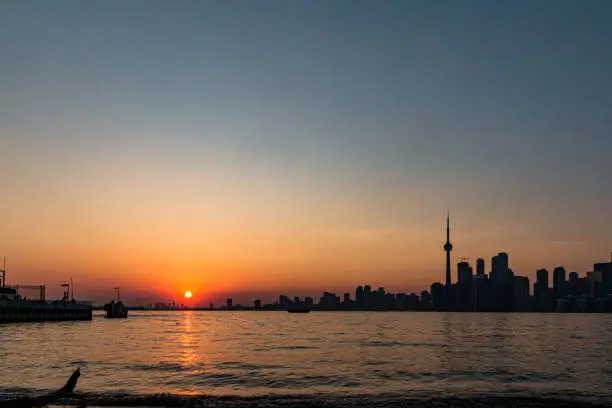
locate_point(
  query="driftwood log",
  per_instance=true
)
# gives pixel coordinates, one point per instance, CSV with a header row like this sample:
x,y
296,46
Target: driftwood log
x,y
32,402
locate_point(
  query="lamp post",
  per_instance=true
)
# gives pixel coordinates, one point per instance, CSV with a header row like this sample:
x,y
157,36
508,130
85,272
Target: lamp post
x,y
117,289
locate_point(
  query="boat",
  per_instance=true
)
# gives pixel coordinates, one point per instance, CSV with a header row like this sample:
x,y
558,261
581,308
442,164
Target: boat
x,y
298,310
116,310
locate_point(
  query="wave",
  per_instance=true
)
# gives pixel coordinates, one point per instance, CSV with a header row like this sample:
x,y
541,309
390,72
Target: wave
x,y
269,348
398,344
247,366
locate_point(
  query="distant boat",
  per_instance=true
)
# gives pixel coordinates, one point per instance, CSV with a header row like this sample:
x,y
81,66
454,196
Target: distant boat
x,y
298,309
115,310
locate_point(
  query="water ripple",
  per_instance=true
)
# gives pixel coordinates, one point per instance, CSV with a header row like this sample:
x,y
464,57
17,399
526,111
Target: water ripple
x,y
255,354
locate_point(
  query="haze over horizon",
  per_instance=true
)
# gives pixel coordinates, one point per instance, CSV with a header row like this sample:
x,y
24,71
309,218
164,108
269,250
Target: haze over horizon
x,y
257,147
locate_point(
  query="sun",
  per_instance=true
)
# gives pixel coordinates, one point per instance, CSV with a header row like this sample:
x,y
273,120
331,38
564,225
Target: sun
x,y
188,294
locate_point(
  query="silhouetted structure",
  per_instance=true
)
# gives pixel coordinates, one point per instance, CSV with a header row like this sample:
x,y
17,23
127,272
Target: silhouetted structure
x,y
558,282
15,308
605,268
438,296
448,247
499,291
115,310
480,267
464,282
521,301
541,291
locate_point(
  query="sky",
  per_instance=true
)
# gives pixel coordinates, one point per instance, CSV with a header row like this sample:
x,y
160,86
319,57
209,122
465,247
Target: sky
x,y
242,148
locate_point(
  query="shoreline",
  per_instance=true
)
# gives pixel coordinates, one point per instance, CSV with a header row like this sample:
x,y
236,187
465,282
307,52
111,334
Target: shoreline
x,y
381,400
377,401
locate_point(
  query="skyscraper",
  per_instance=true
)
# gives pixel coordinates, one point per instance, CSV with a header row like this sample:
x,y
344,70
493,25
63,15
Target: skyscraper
x,y
540,290
480,267
558,282
464,272
542,279
437,296
520,293
359,299
448,247
499,269
367,296
606,274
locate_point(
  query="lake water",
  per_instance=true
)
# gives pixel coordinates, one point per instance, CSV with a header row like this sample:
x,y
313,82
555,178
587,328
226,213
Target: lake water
x,y
322,353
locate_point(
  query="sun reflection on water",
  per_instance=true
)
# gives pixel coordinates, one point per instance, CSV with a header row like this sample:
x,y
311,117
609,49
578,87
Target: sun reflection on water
x,y
189,358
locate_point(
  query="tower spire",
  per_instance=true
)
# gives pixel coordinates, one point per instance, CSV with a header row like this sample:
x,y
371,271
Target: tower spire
x,y
447,225
448,247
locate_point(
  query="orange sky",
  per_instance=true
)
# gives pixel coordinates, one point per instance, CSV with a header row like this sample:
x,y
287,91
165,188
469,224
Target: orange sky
x,y
157,242
157,224
299,149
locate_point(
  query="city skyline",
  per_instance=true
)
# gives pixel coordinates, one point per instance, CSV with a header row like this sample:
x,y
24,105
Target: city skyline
x,y
299,147
141,296
498,289
497,272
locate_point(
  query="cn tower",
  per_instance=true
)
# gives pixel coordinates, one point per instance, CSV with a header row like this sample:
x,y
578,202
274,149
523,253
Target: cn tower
x,y
448,247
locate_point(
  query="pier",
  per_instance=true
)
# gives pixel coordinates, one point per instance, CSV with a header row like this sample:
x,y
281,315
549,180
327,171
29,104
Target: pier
x,y
19,310
15,308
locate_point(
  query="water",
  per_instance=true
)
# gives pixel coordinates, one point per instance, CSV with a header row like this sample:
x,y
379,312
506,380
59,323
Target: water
x,y
335,354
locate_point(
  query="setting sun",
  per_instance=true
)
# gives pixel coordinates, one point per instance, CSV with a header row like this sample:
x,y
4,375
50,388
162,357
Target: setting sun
x,y
188,294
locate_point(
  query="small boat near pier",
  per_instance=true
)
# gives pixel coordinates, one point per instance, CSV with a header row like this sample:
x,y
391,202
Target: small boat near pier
x,y
116,310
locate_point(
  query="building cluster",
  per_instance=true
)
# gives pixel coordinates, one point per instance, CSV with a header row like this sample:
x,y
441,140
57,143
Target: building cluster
x,y
365,299
499,290
502,291
171,305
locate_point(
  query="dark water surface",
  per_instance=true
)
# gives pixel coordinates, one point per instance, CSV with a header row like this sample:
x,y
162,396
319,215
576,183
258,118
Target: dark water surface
x,y
340,355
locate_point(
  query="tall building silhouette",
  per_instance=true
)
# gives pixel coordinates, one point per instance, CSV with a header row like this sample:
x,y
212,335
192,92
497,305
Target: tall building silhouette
x,y
500,269
541,291
558,282
542,280
438,296
359,298
464,286
448,247
480,267
464,273
605,268
520,294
